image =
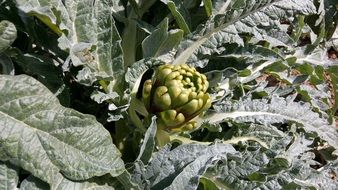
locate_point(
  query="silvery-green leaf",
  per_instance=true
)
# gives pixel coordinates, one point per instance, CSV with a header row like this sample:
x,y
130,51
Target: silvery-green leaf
x,y
181,167
316,95
7,34
267,133
33,183
161,41
126,181
317,57
220,6
9,177
255,17
276,110
100,97
44,11
256,170
87,30
47,139
149,142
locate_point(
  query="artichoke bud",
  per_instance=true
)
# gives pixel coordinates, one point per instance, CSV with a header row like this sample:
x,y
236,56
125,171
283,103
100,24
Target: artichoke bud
x,y
189,108
162,74
181,99
172,76
176,94
189,74
192,95
186,127
189,126
171,118
207,104
162,99
146,93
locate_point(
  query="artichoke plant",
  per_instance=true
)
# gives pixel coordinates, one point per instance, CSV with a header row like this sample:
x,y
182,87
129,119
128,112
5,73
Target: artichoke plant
x,y
176,94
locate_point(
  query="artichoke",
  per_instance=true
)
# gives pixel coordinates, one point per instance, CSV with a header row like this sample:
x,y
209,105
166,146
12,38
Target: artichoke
x,y
176,94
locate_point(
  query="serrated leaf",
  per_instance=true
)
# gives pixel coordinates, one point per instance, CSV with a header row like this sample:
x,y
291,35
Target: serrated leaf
x,y
9,177
316,95
233,173
243,174
180,168
189,177
267,133
42,137
161,41
252,17
317,57
7,34
279,168
277,110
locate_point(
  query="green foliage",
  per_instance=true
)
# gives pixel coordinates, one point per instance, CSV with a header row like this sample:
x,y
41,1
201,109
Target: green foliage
x,y
85,86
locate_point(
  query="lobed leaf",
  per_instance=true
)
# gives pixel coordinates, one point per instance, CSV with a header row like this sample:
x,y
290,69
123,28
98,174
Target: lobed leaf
x,y
259,18
256,170
277,110
179,168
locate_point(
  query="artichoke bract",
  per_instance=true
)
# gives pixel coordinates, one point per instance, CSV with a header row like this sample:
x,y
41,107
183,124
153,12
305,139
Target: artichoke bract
x,y
176,94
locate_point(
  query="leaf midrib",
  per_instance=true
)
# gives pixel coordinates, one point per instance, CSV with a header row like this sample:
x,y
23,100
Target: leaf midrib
x,y
219,117
182,58
35,130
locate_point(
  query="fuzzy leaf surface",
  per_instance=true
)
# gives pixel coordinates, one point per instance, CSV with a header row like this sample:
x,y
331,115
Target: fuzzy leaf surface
x,y
45,138
9,177
277,110
260,18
